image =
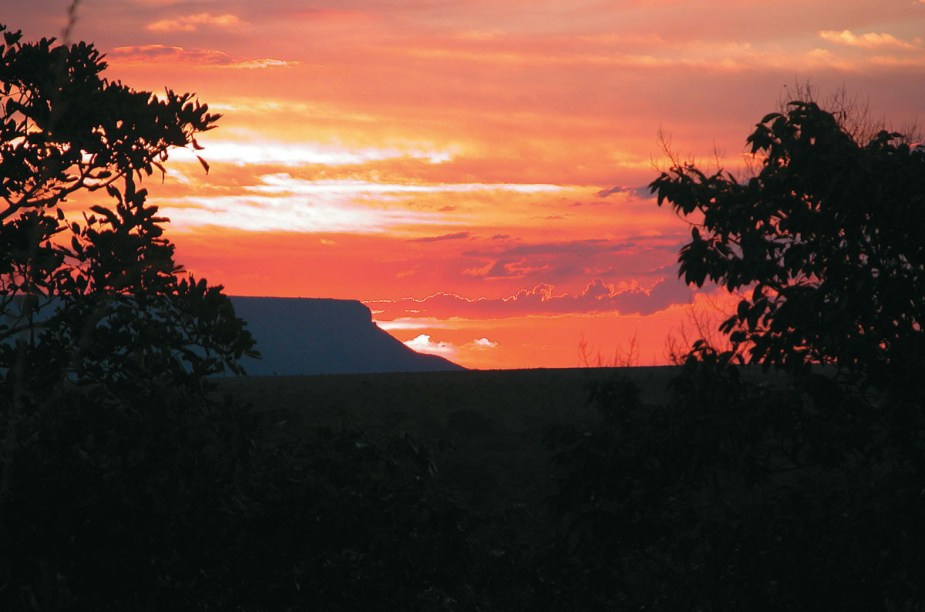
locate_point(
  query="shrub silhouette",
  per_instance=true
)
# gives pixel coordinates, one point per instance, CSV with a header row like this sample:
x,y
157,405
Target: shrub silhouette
x,y
736,496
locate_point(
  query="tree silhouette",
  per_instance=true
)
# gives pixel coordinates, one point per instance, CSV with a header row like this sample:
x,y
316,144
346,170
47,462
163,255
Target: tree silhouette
x,y
826,241
95,297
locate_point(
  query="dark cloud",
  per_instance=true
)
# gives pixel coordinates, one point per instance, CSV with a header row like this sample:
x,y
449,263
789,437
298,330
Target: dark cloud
x,y
513,268
558,262
642,193
597,297
586,247
443,237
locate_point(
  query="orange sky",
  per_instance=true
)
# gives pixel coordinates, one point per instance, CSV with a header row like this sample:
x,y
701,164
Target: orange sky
x,y
474,171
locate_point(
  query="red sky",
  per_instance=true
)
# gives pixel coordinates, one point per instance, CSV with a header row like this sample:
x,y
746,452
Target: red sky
x,y
475,171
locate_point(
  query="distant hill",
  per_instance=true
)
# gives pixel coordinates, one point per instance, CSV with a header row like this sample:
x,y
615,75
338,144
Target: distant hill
x,y
298,336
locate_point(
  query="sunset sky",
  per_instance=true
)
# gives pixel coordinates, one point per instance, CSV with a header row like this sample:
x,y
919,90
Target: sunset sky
x,y
475,171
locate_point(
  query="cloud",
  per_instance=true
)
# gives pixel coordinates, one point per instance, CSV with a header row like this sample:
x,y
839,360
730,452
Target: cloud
x,y
280,201
266,62
484,344
269,152
423,344
542,300
558,261
285,183
191,23
506,268
407,323
167,54
703,52
444,237
583,248
870,40
636,192
323,213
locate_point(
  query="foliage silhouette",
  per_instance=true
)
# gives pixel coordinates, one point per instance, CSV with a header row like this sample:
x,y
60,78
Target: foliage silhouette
x,y
827,241
95,298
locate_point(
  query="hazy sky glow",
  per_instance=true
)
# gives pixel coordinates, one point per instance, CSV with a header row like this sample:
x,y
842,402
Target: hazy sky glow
x,y
474,170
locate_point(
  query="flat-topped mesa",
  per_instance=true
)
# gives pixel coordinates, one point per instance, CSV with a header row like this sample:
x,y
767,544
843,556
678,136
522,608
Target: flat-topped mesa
x,y
304,310
298,336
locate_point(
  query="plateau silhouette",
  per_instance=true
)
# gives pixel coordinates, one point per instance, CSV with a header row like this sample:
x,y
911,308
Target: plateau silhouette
x,y
301,336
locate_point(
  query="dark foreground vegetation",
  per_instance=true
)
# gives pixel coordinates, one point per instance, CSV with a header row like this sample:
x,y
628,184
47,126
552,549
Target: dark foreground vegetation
x,y
535,490
132,481
707,486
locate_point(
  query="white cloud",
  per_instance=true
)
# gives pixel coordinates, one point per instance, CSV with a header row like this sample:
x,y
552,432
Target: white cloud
x,y
322,213
293,154
284,183
424,344
484,343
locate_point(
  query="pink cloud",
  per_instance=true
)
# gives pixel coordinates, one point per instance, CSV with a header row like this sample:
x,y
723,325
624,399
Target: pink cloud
x,y
869,40
168,54
191,23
